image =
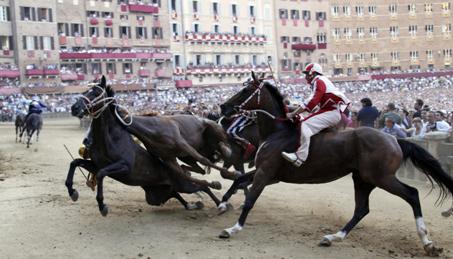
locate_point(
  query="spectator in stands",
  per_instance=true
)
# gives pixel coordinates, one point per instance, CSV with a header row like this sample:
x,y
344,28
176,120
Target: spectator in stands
x,y
435,125
417,130
418,108
391,113
368,114
406,122
393,129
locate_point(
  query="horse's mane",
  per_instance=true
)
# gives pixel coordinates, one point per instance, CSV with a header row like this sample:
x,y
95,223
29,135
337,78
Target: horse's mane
x,y
278,96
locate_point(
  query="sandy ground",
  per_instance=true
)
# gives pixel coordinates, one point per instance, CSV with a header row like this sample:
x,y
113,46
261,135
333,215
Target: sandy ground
x,y
38,219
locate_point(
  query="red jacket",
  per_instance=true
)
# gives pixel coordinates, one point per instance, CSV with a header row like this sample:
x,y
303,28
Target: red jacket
x,y
325,96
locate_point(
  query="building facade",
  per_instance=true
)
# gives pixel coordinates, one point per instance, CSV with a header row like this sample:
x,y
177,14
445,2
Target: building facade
x,y
388,35
53,41
301,34
220,41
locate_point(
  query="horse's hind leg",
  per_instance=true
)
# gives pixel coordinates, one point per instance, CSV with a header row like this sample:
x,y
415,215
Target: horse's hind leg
x,y
29,138
37,135
410,195
188,205
173,164
362,194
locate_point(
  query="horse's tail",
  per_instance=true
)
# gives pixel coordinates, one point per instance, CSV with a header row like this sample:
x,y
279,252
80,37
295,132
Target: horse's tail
x,y
430,166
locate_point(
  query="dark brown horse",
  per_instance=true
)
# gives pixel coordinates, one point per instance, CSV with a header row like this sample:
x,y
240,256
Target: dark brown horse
x,y
32,124
114,153
19,123
371,156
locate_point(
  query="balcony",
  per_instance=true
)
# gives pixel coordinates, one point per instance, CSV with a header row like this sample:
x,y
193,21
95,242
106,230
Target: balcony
x,y
183,83
7,53
51,72
224,38
322,45
94,21
11,73
34,72
108,22
226,70
141,8
124,55
144,72
62,40
69,77
159,72
303,46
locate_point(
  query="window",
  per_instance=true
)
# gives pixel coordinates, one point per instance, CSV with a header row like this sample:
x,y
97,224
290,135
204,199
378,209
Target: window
x,y
413,30
446,6
321,37
394,31
108,32
173,5
63,29
321,16
44,14
27,14
195,6
336,58
253,30
157,33
177,60
141,33
174,29
372,10
196,27
373,32
216,28
283,13
361,32
93,31
429,54
127,68
111,68
413,55
335,10
237,59
295,39
395,55
347,10
76,30
46,43
374,57
446,28
336,33
235,29
284,39
30,43
218,60
215,8
254,60
96,68
411,8
347,33
4,14
234,10
252,11
359,10
393,9
348,57
125,32
428,8
295,14
6,43
429,28
362,57
447,53
197,60
306,15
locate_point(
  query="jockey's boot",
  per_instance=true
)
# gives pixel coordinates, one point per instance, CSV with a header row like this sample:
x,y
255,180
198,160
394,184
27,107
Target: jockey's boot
x,y
292,157
249,149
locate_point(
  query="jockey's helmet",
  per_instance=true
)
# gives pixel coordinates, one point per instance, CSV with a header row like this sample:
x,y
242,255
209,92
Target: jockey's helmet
x,y
312,68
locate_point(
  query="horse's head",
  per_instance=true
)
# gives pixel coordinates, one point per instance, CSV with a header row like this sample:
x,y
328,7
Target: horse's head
x,y
248,98
93,101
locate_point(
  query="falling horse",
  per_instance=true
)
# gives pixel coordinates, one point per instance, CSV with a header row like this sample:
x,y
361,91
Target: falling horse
x,y
371,156
19,123
114,153
33,124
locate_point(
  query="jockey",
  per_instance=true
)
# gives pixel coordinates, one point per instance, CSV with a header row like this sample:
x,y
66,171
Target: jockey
x,y
239,123
35,106
326,103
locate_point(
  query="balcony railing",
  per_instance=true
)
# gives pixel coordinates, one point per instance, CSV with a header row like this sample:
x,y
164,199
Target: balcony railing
x,y
322,45
83,55
12,73
303,46
218,70
194,37
144,72
51,72
143,8
34,72
183,83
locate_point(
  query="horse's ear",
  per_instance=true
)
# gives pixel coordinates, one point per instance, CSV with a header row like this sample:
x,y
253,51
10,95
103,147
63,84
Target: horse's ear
x,y
110,91
263,75
103,83
254,76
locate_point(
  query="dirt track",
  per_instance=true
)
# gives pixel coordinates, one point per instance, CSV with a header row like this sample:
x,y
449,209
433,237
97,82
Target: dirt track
x,y
39,220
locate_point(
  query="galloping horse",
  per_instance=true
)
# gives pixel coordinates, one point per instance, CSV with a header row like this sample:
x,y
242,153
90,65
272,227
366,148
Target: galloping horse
x,y
32,124
371,156
114,153
19,123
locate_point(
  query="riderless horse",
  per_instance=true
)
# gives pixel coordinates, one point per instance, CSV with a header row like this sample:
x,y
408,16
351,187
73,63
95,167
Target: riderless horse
x,y
32,124
371,156
114,153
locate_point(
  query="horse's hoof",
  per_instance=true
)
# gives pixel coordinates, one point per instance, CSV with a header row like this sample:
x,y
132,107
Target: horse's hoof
x,y
433,251
224,234
447,213
104,211
325,242
224,207
199,205
216,185
75,195
195,205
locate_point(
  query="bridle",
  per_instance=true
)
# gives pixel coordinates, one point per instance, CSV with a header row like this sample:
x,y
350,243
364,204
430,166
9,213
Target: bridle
x,y
256,92
105,101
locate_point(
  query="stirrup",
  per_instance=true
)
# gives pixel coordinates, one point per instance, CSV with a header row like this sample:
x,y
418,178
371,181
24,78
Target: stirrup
x,y
296,162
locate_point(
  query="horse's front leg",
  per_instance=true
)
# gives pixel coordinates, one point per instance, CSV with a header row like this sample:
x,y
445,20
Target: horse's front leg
x,y
120,167
87,164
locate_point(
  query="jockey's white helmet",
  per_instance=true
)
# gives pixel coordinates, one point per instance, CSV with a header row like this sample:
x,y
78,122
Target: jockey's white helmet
x,y
311,68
